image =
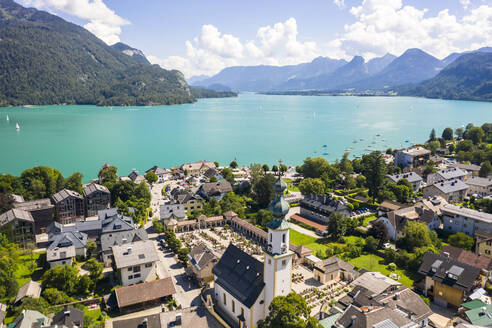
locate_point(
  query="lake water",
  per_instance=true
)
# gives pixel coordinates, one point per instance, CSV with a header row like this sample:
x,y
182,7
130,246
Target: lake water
x,y
250,128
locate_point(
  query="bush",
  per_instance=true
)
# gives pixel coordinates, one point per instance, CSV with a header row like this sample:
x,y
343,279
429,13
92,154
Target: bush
x,y
151,214
392,266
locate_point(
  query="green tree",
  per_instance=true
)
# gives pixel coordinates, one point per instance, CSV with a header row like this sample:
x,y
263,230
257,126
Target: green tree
x,y
233,202
36,304
372,244
337,225
158,226
74,182
6,202
233,165
263,190
447,134
227,174
416,235
62,277
433,146
108,174
95,269
314,167
461,240
374,169
432,135
310,186
151,177
263,217
182,255
216,164
265,168
379,231
283,168
475,134
212,207
275,168
256,172
345,164
485,169
289,311
91,248
459,133
55,297
213,179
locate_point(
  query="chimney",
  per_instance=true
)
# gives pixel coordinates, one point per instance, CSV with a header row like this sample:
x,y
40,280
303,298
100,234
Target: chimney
x,y
178,319
129,250
446,254
483,309
144,323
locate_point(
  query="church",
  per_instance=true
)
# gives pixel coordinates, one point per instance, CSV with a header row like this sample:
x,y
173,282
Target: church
x,y
243,286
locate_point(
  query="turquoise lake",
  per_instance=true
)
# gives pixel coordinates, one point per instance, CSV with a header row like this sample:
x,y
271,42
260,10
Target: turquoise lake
x,y
250,128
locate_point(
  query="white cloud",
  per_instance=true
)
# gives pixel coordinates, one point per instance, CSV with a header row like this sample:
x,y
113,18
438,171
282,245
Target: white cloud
x,y
388,26
339,3
212,50
102,21
465,3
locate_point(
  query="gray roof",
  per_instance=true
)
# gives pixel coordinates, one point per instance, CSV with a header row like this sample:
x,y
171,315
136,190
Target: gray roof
x,y
201,255
65,193
17,198
69,317
136,253
15,214
30,288
112,221
57,254
333,264
34,205
375,282
29,318
467,167
467,212
417,151
216,188
119,238
451,173
170,211
410,176
380,317
478,181
93,187
450,186
68,238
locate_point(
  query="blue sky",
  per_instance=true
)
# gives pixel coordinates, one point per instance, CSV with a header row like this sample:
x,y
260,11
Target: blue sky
x,y
202,37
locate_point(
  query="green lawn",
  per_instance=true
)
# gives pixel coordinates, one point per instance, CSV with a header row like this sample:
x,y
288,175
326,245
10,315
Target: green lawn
x,y
317,244
23,273
373,262
368,219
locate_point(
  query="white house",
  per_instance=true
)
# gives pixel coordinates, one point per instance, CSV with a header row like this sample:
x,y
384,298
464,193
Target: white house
x,y
481,187
136,262
243,286
412,177
461,219
447,174
451,190
60,256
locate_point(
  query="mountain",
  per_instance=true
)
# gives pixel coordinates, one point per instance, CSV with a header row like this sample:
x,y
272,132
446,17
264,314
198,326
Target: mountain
x,y
46,60
138,55
376,65
200,92
265,77
452,57
197,78
469,77
413,66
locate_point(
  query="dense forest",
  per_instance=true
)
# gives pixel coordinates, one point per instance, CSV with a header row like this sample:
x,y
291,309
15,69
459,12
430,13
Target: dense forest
x,y
199,92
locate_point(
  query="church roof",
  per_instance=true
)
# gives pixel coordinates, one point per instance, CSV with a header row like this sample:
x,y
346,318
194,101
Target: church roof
x,y
240,274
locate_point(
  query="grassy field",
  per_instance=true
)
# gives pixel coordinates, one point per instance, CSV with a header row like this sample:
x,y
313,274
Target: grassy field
x,y
29,268
373,262
368,219
317,244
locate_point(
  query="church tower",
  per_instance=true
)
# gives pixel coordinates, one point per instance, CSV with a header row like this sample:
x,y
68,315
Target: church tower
x,y
278,258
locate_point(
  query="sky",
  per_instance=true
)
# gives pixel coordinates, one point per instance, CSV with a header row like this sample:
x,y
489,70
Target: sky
x,y
203,37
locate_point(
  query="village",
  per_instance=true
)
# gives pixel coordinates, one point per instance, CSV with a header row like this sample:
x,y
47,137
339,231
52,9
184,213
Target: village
x,y
401,238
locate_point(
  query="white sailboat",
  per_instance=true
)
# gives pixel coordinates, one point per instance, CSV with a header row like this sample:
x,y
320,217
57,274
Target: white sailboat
x,y
7,118
17,127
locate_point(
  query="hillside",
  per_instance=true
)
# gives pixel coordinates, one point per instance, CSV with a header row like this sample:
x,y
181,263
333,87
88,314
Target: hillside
x,y
46,60
136,54
469,77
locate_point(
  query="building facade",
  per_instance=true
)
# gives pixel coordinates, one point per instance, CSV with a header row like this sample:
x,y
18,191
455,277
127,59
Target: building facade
x,y
18,226
136,262
96,198
461,219
69,206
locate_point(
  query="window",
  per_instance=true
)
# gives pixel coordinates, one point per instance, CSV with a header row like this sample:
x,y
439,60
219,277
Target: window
x,y
283,238
284,262
136,276
487,252
269,261
136,268
233,306
130,269
489,243
225,300
130,277
242,312
148,265
270,237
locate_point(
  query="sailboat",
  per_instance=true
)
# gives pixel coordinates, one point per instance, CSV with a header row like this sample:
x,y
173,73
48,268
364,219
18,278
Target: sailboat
x,y
7,118
17,127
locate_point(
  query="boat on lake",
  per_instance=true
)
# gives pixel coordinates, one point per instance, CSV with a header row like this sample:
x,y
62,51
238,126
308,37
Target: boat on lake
x,y
17,127
7,118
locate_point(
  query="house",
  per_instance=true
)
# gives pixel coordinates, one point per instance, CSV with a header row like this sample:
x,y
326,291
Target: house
x,y
334,269
451,191
119,238
75,239
243,286
319,208
18,226
480,316
413,157
462,219
30,319
480,187
482,262
430,211
197,168
135,262
112,221
69,206
470,169
376,300
96,197
162,174
448,281
136,177
139,296
483,242
69,317
41,210
215,189
60,256
412,177
447,174
202,260
387,206
29,289
191,202
172,212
